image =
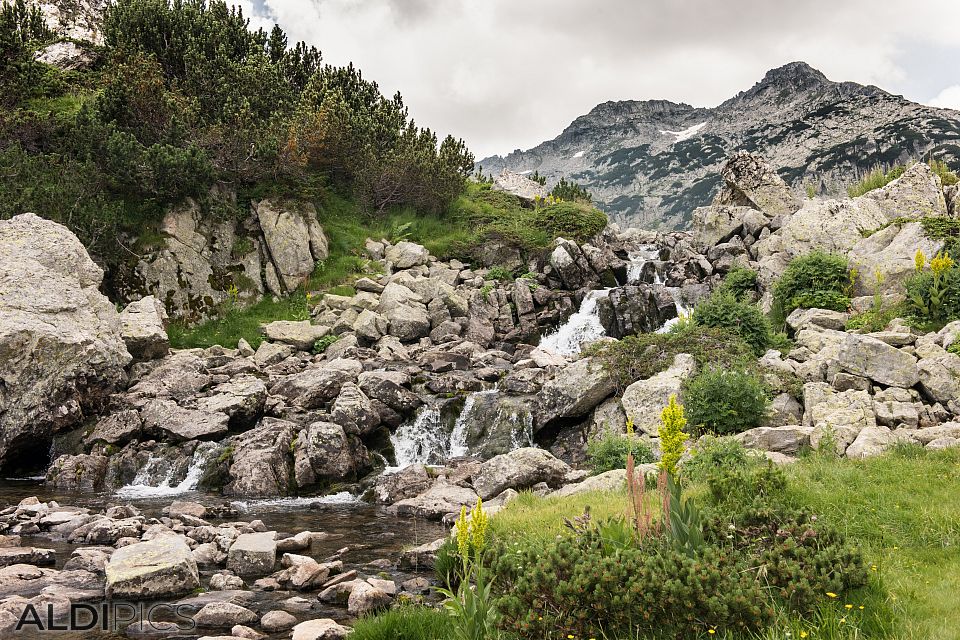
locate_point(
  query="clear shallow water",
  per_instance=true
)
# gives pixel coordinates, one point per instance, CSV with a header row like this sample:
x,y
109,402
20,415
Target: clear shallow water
x,y
369,531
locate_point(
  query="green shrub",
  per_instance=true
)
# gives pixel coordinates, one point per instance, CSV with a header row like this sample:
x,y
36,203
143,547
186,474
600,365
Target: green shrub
x,y
734,475
322,344
817,280
740,281
725,401
498,273
639,357
576,588
404,623
611,450
947,177
572,220
723,310
570,192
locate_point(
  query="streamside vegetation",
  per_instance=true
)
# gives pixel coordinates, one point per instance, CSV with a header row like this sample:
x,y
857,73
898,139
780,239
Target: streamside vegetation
x,y
725,545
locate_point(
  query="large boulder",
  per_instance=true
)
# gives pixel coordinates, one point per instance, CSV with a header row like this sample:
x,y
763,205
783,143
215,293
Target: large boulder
x,y
630,310
520,186
495,423
324,453
61,348
143,325
644,400
405,255
294,239
748,181
573,392
300,334
253,554
917,193
890,252
260,463
716,223
519,469
166,419
318,385
159,568
872,358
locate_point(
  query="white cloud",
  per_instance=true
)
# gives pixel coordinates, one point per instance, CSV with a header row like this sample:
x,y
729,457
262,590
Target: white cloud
x,y
949,98
505,74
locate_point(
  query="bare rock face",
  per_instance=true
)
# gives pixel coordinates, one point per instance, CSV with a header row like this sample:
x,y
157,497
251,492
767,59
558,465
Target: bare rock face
x,y
294,239
143,325
61,349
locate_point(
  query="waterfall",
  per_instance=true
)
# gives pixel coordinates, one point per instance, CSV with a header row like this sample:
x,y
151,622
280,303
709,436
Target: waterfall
x,y
637,260
682,310
141,486
458,437
582,326
422,441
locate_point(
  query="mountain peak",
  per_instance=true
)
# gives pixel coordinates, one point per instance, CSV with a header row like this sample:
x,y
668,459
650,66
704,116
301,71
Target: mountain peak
x,y
794,73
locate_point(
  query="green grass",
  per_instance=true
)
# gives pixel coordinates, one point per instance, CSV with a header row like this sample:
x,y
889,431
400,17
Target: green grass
x,y
530,518
875,179
404,623
902,509
238,323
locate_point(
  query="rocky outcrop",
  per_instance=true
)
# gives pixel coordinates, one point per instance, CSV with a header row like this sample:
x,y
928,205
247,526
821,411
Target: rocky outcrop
x,y
294,240
520,186
643,400
748,181
202,261
61,348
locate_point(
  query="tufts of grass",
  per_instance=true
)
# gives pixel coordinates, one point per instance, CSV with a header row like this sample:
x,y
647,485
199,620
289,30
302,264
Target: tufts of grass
x,y
875,179
235,323
404,623
902,508
534,519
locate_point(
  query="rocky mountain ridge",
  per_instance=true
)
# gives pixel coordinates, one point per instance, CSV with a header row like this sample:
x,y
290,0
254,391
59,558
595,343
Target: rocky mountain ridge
x,y
651,163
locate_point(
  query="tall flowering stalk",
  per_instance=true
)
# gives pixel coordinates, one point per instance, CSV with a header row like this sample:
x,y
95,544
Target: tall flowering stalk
x,y
472,607
672,437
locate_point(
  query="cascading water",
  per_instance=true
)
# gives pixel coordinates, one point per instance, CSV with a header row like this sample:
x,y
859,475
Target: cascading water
x,y
582,326
141,487
422,441
458,437
682,311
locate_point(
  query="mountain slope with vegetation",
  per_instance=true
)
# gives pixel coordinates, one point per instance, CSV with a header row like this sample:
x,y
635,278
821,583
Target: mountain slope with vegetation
x,y
651,163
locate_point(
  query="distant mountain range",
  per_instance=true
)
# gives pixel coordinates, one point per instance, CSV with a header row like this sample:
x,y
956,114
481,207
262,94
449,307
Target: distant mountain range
x,y
651,163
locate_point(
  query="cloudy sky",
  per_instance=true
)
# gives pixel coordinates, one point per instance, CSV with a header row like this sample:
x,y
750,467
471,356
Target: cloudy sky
x,y
507,74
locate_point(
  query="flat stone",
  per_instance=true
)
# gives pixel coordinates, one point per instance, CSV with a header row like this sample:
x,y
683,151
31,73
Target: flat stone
x,y
159,568
253,554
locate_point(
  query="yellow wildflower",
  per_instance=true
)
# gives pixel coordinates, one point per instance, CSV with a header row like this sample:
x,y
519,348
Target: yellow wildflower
x,y
804,634
831,594
463,533
941,263
919,260
478,525
848,606
672,437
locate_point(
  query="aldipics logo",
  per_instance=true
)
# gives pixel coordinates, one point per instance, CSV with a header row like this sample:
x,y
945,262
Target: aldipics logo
x,y
105,616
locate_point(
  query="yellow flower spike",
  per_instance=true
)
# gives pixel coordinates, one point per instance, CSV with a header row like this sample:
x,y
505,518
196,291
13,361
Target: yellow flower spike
x,y
942,262
463,533
919,260
672,437
478,526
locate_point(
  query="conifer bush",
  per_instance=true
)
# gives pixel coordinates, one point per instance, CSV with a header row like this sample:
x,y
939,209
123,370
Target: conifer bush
x,y
815,281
